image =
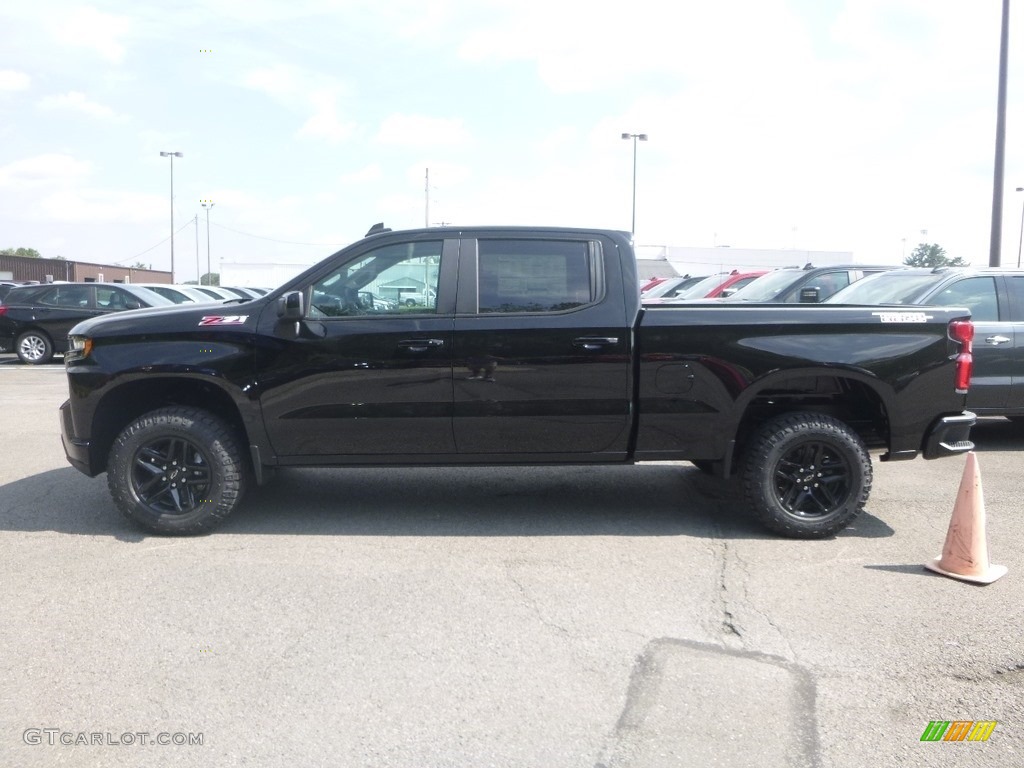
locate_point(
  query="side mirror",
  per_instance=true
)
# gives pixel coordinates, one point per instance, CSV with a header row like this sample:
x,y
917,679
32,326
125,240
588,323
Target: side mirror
x,y
726,292
810,295
289,306
132,304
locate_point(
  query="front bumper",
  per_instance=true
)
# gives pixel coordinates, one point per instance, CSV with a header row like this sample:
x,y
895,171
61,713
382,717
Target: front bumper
x,y
75,449
949,436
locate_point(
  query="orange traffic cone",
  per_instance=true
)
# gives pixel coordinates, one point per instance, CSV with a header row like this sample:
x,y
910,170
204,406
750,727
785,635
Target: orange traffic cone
x,y
965,553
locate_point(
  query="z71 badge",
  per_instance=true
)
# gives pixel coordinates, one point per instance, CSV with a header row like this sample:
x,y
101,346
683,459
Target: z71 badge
x,y
224,320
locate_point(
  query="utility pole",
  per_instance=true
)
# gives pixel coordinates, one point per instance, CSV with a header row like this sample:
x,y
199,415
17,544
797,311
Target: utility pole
x,y
634,137
172,155
995,241
426,196
207,204
198,274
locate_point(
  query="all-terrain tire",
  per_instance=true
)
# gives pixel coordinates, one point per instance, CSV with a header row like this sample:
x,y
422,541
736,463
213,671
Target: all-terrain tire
x,y
177,471
806,475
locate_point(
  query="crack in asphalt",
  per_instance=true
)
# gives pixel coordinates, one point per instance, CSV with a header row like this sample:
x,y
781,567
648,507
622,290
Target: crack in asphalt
x,y
531,603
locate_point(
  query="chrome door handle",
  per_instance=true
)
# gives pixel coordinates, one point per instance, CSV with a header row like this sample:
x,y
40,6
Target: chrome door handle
x,y
420,345
592,343
996,340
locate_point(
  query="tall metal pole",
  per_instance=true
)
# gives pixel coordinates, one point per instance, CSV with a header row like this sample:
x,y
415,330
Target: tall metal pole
x,y
172,155
207,206
426,197
632,226
1020,239
634,137
198,273
995,240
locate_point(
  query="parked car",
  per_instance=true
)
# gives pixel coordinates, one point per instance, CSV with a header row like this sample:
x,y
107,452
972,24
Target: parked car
x,y
242,293
218,293
179,294
425,298
996,300
723,284
672,287
646,285
807,285
733,282
5,288
35,319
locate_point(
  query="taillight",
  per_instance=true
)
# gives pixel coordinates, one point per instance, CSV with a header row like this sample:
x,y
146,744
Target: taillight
x,y
962,331
3,310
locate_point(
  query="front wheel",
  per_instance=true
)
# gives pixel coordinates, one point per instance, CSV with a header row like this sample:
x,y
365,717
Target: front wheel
x,y
806,475
176,471
34,347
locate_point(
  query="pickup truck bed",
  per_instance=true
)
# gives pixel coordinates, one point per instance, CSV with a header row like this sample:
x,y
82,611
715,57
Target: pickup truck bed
x,y
536,351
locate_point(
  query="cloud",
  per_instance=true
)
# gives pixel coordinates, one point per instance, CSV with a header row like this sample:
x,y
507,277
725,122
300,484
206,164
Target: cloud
x,y
279,81
421,131
96,205
88,28
325,122
43,170
79,102
370,172
298,89
12,80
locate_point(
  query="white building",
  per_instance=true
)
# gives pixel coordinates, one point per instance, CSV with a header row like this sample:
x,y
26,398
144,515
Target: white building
x,y
670,260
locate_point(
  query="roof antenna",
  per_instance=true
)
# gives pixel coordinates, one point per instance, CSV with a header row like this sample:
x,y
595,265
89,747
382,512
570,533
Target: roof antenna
x,y
376,229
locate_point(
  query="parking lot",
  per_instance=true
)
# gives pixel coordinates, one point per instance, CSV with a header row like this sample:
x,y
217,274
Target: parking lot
x,y
588,616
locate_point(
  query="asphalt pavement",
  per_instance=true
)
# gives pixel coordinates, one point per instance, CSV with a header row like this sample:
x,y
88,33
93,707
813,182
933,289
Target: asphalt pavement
x,y
571,616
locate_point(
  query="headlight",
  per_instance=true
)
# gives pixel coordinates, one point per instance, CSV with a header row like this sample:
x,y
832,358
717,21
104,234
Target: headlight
x,y
78,348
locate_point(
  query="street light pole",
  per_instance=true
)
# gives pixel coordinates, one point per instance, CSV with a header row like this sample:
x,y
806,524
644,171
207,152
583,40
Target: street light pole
x,y
1020,239
634,137
198,275
207,206
172,155
995,241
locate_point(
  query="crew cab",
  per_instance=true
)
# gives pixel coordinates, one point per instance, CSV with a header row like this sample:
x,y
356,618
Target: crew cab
x,y
536,352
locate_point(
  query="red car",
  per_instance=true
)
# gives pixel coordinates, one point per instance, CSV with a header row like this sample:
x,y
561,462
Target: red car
x,y
733,282
723,284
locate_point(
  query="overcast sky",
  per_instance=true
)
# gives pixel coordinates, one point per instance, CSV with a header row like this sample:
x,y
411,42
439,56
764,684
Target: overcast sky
x,y
809,124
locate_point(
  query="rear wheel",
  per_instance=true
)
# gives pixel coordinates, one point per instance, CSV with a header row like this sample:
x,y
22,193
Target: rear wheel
x,y
806,475
176,471
34,347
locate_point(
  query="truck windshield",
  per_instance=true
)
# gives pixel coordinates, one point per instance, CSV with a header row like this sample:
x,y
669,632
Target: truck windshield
x,y
886,288
767,287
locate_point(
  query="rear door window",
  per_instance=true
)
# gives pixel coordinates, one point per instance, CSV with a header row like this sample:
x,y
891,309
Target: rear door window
x,y
67,296
1015,284
536,275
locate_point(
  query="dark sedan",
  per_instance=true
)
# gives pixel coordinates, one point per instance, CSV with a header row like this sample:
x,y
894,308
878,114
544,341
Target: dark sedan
x,y
35,319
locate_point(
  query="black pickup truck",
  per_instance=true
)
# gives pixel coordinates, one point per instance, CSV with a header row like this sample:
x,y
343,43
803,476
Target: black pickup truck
x,y
523,346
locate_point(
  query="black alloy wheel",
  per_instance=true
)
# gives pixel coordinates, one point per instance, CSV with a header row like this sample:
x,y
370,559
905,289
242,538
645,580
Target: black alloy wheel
x,y
177,470
806,475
